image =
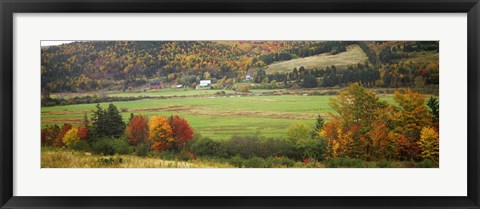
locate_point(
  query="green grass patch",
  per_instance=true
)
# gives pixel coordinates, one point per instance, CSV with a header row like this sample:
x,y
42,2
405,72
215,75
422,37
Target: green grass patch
x,y
218,117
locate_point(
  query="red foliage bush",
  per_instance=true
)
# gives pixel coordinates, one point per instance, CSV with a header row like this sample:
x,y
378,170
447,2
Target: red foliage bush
x,y
59,140
182,132
408,150
49,135
137,129
82,132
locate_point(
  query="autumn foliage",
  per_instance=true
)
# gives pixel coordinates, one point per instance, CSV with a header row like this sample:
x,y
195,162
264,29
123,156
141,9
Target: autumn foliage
x,y
71,137
82,132
59,140
137,129
181,131
49,135
370,129
429,144
160,133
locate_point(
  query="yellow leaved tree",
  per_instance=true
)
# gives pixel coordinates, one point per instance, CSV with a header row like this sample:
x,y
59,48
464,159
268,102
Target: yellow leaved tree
x,y
160,133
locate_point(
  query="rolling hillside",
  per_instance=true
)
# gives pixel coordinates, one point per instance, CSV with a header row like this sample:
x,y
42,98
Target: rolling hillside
x,y
352,56
122,65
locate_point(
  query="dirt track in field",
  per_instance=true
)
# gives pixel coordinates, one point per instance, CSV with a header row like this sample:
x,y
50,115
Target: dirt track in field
x,y
191,110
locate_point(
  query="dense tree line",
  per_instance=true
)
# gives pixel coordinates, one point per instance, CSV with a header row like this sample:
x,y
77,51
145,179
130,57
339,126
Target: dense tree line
x,y
401,74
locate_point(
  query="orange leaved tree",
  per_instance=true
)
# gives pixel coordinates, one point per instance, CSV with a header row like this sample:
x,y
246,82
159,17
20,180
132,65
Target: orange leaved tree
x,y
160,133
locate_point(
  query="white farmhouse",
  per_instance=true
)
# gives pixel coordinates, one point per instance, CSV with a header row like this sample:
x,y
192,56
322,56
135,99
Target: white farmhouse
x,y
205,83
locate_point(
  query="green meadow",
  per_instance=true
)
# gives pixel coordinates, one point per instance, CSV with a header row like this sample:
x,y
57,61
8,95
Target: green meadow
x,y
215,117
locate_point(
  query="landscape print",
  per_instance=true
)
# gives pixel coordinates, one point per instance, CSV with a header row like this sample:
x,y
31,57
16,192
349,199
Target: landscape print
x,y
240,104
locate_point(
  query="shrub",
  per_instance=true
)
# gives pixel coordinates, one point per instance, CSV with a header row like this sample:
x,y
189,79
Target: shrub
x,y
275,147
103,146
384,164
221,93
49,134
243,88
254,162
168,155
307,146
71,137
255,146
298,132
121,146
80,145
344,162
286,162
315,148
142,149
186,155
207,147
278,162
82,132
427,163
236,161
244,146
111,146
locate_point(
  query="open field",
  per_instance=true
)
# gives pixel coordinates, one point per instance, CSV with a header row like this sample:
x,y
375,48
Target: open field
x,y
215,117
352,56
423,57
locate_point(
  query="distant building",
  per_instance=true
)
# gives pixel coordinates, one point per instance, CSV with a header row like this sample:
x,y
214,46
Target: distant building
x,y
155,85
205,83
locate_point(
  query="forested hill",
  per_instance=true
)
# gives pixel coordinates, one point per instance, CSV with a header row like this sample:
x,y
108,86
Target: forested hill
x,y
89,66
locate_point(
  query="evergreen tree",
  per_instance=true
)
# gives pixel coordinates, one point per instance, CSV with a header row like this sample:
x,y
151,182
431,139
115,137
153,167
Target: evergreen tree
x,y
107,123
319,124
433,104
85,121
97,122
115,123
309,81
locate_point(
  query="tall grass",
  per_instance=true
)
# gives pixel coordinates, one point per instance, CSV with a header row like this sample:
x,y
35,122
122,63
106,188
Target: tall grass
x,y
62,158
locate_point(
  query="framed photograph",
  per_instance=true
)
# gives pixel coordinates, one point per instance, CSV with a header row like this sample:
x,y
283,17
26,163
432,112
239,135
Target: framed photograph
x,y
238,104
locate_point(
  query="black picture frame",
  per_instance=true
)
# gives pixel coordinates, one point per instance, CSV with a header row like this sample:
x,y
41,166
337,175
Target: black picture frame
x,y
9,7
